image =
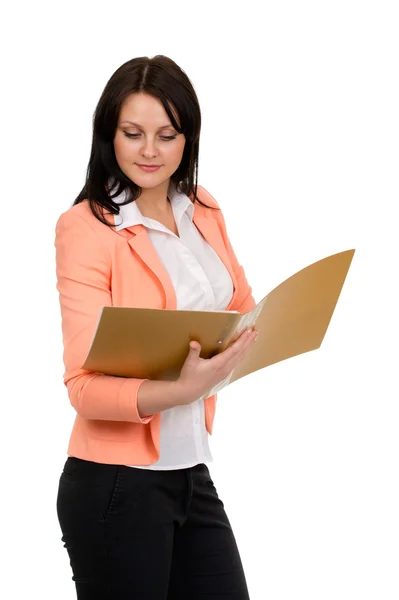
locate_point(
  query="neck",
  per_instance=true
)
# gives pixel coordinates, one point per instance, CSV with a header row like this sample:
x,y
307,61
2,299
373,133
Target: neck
x,y
154,200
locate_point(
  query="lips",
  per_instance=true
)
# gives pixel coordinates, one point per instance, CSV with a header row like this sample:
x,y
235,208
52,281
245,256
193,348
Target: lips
x,y
149,168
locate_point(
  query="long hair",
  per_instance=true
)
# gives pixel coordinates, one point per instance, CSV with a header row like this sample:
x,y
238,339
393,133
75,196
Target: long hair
x,y
163,79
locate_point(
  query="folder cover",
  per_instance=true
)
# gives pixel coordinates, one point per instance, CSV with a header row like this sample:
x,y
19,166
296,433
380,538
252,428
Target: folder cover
x,y
153,343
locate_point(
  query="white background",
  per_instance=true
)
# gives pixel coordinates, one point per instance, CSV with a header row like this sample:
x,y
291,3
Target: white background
x,y
300,147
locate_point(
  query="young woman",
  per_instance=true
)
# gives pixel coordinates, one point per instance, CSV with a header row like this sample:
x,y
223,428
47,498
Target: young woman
x,y
139,514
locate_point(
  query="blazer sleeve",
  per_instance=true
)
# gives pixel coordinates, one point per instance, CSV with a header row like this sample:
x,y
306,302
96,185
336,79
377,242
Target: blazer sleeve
x,y
245,299
83,270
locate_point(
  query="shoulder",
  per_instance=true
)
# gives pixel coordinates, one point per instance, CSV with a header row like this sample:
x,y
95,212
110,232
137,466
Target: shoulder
x,y
80,216
206,197
215,212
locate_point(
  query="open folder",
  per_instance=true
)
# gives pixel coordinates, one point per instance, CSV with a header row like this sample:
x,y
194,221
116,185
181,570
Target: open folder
x,y
154,343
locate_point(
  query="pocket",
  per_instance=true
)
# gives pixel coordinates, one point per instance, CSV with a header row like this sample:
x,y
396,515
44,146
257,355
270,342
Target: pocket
x,y
114,496
88,490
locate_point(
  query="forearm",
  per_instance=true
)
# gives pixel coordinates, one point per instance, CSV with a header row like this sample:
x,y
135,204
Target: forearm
x,y
156,396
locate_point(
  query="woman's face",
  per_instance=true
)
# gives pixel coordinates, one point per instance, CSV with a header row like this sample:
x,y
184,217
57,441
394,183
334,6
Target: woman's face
x,y
145,135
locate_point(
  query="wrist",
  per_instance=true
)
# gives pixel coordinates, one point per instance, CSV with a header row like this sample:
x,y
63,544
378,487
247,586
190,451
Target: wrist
x,y
181,393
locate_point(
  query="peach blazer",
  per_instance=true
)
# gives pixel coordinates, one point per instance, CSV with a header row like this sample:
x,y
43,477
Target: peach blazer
x,y
95,267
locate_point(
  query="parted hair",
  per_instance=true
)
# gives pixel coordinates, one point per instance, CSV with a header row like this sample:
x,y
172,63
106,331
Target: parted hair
x,y
163,79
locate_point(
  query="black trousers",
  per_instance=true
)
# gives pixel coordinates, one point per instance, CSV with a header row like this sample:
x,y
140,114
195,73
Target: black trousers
x,y
137,534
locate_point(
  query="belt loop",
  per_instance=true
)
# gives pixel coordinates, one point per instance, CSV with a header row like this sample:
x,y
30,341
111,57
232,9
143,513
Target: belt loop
x,y
190,485
189,476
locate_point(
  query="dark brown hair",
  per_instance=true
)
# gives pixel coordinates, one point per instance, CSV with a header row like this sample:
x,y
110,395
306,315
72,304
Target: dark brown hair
x,y
163,79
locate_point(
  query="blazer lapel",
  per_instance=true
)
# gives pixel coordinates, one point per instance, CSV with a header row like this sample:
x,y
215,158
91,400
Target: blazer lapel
x,y
141,245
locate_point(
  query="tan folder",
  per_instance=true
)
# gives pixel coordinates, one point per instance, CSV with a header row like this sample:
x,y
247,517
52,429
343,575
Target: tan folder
x,y
154,343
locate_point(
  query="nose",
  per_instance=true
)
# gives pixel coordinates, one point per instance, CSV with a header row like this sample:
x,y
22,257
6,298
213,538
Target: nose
x,y
149,148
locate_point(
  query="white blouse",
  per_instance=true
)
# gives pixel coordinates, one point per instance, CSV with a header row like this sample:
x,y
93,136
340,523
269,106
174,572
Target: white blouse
x,y
201,282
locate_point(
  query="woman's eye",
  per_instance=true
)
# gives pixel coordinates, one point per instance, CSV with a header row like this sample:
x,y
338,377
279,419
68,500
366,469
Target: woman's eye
x,y
163,137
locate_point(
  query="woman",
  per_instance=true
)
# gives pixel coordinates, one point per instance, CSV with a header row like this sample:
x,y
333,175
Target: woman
x,y
138,510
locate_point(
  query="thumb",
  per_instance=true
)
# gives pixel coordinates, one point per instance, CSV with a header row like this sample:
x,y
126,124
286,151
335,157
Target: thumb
x,y
195,347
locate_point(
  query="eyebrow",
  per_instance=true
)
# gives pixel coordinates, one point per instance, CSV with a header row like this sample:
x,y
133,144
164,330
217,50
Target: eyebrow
x,y
139,126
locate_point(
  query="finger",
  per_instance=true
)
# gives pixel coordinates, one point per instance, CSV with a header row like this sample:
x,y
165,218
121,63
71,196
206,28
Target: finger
x,y
236,352
243,335
232,355
246,339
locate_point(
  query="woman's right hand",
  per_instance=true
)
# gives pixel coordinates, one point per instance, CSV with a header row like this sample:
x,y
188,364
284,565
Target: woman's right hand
x,y
199,375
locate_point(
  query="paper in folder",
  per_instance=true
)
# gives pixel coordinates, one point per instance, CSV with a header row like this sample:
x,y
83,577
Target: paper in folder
x,y
153,343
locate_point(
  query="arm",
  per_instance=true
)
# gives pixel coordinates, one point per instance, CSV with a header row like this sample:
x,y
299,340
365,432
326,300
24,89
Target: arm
x,y
83,269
